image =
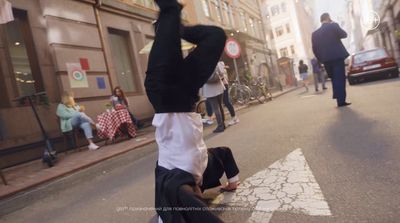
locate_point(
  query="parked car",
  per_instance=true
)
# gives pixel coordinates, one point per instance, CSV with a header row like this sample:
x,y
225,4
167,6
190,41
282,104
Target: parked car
x,y
371,64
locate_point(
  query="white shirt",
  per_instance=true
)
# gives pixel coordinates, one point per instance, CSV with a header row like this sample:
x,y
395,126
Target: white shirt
x,y
180,142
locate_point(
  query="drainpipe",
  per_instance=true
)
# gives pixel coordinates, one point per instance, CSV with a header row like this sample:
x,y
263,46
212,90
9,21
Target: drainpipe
x,y
394,43
98,5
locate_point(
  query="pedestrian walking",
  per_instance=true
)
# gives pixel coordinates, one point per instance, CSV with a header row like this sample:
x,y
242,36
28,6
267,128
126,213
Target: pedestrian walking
x,y
328,49
303,70
227,100
185,166
213,91
318,74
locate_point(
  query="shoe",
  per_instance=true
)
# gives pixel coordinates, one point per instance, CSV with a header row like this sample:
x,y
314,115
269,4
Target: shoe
x,y
93,146
316,90
227,188
344,104
324,88
209,122
233,121
218,130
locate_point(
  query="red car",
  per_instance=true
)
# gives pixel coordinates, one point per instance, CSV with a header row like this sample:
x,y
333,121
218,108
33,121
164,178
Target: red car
x,y
371,64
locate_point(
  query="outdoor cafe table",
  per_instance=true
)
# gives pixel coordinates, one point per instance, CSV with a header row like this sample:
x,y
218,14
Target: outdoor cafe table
x,y
110,123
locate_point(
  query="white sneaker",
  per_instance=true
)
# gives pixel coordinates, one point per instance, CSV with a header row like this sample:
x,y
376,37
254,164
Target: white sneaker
x,y
209,122
93,146
233,121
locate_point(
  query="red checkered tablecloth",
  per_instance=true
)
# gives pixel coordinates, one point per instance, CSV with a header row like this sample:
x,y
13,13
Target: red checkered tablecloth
x,y
110,122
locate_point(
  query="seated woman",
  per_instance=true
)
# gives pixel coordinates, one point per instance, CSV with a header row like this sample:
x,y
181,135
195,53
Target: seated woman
x,y
72,116
119,98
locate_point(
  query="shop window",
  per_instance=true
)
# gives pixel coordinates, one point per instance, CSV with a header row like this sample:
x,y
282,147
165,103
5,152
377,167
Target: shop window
x,y
25,71
122,59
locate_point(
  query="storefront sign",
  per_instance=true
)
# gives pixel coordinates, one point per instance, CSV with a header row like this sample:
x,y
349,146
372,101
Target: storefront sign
x,y
232,48
77,76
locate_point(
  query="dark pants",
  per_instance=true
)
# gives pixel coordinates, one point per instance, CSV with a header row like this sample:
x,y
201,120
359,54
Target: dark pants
x,y
216,105
180,193
135,121
168,73
336,71
319,77
220,161
227,101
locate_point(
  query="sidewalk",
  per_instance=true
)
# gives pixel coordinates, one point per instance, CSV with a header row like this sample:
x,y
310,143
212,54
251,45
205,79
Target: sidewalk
x,y
27,176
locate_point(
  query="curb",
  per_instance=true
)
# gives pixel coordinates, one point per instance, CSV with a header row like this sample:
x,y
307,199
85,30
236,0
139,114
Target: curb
x,y
22,196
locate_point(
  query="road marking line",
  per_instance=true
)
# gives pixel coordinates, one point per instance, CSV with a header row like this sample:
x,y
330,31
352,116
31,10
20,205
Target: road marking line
x,y
287,185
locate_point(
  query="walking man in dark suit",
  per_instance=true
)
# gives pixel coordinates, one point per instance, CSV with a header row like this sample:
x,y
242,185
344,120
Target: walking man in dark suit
x,y
329,50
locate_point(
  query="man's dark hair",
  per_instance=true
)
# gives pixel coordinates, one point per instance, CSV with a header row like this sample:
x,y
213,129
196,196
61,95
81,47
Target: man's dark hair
x,y
325,17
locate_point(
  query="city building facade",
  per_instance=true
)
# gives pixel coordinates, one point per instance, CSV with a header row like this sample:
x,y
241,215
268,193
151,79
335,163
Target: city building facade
x,y
375,23
87,47
242,21
291,28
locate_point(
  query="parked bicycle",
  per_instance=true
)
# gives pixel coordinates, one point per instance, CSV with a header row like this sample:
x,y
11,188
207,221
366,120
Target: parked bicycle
x,y
260,90
201,107
239,93
257,90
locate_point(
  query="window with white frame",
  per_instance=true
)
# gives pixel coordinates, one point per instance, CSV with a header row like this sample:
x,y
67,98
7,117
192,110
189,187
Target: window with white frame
x,y
243,24
288,28
293,51
279,31
252,26
217,10
275,10
206,8
225,13
284,52
283,7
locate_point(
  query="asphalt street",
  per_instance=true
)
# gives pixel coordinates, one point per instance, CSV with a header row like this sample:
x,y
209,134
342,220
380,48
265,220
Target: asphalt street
x,y
353,154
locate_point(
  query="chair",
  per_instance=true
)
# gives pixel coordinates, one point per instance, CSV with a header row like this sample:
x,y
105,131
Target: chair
x,y
70,138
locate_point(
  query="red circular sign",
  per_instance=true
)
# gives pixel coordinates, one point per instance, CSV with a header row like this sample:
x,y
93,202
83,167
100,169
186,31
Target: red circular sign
x,y
232,48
